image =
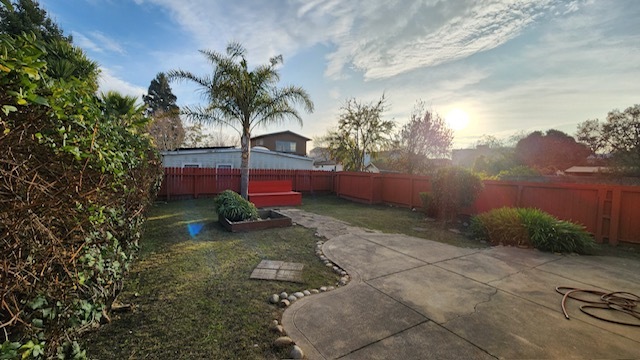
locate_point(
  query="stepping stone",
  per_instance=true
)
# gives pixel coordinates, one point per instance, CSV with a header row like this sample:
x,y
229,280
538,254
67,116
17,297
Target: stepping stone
x,y
278,270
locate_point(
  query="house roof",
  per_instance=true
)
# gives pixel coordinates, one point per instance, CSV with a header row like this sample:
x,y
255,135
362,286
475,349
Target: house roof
x,y
230,150
587,169
281,132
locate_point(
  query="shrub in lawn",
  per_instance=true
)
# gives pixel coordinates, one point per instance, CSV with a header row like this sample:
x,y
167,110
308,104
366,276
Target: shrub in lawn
x,y
548,233
233,207
428,205
534,227
500,226
454,188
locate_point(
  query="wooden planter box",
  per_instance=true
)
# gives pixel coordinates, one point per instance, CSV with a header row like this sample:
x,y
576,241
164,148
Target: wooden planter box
x,y
268,219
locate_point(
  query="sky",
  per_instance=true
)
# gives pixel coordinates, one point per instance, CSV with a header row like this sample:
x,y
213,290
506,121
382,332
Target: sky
x,y
509,66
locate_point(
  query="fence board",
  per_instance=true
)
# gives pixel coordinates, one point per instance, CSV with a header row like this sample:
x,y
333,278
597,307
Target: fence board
x,y
610,212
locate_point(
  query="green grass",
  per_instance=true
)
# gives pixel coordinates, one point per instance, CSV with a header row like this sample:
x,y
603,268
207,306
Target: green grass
x,y
192,296
385,218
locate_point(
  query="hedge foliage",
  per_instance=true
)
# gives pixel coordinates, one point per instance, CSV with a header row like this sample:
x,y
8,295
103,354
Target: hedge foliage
x,y
531,227
75,186
454,188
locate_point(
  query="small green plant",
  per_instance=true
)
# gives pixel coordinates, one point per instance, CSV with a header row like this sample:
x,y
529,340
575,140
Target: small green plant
x,y
428,205
453,189
531,227
500,226
234,207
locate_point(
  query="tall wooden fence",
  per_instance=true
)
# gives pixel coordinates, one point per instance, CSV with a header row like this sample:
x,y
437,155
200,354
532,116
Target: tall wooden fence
x,y
181,183
610,212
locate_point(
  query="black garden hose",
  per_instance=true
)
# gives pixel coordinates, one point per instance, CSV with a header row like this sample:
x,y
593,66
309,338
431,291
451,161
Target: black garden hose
x,y
620,301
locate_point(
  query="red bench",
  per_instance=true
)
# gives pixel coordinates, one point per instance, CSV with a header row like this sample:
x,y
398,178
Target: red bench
x,y
273,193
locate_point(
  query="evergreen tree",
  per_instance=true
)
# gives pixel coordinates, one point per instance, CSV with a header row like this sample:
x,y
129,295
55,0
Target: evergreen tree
x,y
26,16
160,97
160,102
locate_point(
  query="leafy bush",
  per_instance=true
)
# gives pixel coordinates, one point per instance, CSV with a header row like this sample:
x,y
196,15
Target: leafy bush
x,y
531,227
428,205
454,188
74,192
233,207
500,226
518,171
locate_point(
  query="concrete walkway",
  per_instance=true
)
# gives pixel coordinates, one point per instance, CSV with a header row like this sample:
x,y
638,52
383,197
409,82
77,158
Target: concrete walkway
x,y
411,298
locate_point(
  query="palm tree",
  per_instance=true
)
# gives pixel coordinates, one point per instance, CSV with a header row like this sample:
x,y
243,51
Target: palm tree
x,y
122,108
243,99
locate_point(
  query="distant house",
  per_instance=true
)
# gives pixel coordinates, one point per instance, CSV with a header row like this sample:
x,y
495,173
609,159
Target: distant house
x,y
467,157
322,160
587,170
230,158
283,141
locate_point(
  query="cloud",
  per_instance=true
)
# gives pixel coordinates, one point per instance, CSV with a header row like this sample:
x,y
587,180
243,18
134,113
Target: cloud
x,y
108,81
97,42
379,38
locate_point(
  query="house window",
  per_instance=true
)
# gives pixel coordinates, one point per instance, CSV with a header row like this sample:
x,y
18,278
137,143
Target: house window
x,y
286,146
224,166
259,142
190,165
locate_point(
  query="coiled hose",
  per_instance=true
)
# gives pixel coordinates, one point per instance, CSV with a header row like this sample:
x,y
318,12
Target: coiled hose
x,y
619,301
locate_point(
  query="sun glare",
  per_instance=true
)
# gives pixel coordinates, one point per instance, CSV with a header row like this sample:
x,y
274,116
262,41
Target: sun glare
x,y
457,119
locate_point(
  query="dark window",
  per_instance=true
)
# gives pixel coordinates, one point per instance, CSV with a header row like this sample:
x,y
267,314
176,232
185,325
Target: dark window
x,y
286,146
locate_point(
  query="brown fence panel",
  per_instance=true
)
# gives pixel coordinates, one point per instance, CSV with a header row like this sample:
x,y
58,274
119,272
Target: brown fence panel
x,y
496,194
629,215
573,202
356,186
404,190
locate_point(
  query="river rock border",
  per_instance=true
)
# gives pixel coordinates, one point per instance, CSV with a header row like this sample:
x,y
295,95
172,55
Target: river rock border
x,y
284,300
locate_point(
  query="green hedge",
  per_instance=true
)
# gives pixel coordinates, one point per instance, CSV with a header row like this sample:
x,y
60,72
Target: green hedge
x,y
454,188
74,192
531,227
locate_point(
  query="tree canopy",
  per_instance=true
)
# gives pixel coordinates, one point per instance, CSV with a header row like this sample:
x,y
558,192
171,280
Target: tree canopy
x,y
425,136
243,99
551,151
361,131
618,135
166,127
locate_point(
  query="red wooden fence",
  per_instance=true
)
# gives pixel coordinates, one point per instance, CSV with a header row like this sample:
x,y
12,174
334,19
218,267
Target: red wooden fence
x,y
610,212
180,183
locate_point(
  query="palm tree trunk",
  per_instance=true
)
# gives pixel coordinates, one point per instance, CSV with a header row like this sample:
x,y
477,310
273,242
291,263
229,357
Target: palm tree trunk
x,y
244,164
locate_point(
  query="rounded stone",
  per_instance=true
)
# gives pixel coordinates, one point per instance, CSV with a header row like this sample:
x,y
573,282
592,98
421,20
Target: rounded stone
x,y
314,291
274,323
292,298
323,288
323,258
296,352
278,329
329,288
274,299
284,295
343,273
283,341
335,268
298,294
306,293
329,264
284,303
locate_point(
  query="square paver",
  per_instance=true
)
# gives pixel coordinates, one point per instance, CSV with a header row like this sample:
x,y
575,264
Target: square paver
x,y
278,270
264,274
269,264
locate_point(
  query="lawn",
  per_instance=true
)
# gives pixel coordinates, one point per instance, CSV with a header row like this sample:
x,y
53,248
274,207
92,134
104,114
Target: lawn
x,y
385,218
191,291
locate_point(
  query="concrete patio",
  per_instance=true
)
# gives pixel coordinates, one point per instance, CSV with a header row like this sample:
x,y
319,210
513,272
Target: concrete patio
x,y
412,298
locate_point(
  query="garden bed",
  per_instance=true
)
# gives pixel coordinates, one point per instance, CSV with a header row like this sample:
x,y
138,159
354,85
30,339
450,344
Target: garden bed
x,y
268,219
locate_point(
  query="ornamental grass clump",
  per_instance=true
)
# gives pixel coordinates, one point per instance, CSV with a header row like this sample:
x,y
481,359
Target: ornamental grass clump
x,y
531,227
234,207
